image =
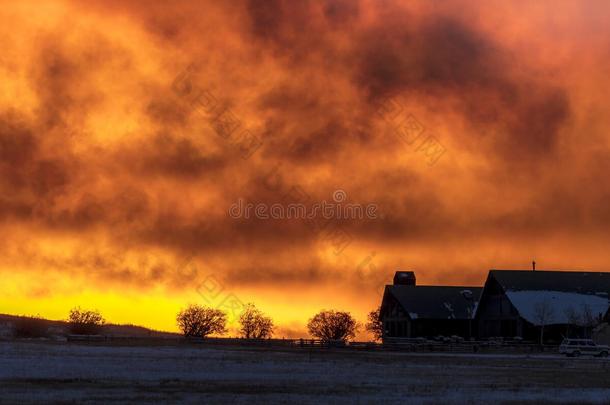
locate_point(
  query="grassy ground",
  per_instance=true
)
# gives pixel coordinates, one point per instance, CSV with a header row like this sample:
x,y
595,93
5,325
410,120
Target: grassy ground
x,y
43,372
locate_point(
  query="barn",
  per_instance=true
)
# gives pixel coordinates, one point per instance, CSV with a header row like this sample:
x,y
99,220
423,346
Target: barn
x,y
408,310
518,303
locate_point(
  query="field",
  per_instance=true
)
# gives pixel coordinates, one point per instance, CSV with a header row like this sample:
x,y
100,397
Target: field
x,y
34,372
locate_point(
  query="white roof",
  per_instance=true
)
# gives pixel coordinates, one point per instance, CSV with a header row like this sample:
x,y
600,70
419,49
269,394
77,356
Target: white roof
x,y
560,303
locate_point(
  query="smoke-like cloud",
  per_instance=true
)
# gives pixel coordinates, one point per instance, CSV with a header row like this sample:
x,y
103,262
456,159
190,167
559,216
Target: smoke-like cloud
x,y
109,176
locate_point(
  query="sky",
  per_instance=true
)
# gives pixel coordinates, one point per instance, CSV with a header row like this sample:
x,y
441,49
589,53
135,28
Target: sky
x,y
129,129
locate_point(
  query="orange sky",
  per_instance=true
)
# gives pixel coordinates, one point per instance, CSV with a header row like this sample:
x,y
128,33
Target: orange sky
x,y
110,180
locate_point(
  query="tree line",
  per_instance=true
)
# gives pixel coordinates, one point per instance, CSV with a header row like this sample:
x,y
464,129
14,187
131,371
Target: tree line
x,y
201,321
326,325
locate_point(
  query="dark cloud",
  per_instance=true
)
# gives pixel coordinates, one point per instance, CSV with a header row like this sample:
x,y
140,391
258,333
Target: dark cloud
x,y
307,78
164,154
441,54
17,142
444,58
341,12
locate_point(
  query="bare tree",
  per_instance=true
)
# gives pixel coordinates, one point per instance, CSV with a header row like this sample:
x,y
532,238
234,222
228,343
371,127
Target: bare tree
x,y
254,324
573,319
332,325
589,320
584,319
200,321
375,323
543,313
85,322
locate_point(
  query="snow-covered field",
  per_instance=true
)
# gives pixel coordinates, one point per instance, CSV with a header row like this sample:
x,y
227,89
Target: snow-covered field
x,y
60,372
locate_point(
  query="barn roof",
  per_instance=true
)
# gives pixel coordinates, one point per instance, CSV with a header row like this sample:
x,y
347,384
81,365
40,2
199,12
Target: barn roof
x,y
567,294
550,280
432,302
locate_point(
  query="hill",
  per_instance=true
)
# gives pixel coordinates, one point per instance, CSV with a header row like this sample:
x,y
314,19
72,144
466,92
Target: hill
x,y
60,328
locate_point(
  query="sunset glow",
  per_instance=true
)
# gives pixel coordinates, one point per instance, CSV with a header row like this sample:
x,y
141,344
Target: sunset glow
x,y
480,133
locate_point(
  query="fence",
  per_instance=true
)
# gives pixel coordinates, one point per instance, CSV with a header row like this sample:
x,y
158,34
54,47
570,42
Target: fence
x,y
403,344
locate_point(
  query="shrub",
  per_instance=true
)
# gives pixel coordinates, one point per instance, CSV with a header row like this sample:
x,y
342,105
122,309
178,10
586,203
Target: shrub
x,y
30,327
85,322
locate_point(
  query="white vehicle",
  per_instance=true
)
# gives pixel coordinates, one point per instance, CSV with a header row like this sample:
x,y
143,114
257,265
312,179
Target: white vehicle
x,y
577,347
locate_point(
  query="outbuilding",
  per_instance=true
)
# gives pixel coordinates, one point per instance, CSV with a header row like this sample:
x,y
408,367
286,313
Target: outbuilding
x,y
409,310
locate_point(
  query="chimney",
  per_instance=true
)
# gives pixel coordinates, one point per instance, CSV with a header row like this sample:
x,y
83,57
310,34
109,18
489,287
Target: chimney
x,y
404,278
533,266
